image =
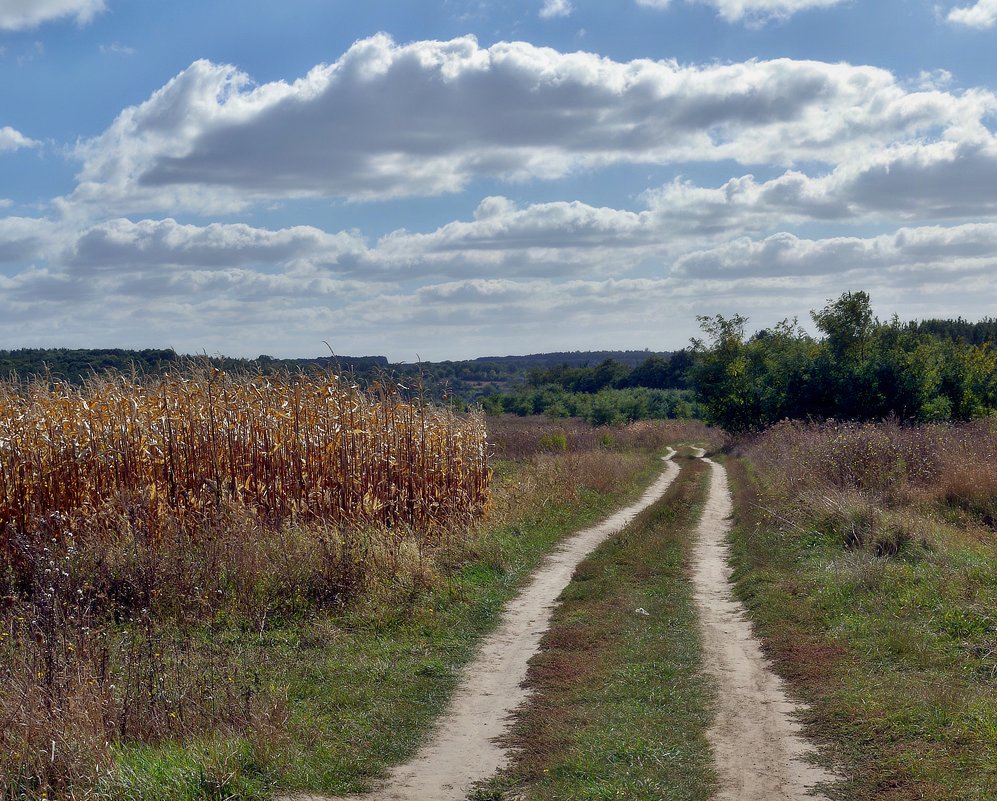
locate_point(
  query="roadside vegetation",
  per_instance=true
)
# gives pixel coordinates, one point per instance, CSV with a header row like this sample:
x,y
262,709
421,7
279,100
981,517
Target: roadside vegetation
x,y
288,605
620,705
223,586
865,477
867,556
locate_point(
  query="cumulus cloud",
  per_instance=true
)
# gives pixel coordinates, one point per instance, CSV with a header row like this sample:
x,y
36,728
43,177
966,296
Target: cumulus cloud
x,y
946,180
390,120
559,239
752,11
24,238
18,15
155,243
543,239
11,140
501,275
962,248
555,8
981,15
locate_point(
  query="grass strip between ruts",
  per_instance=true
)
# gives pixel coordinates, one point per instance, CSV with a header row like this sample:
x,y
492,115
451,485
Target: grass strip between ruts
x,y
620,706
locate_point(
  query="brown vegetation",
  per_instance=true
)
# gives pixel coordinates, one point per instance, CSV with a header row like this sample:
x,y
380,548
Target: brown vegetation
x,y
152,532
139,520
867,556
170,453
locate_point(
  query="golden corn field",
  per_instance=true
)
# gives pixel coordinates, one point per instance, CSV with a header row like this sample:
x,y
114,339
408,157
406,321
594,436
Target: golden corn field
x,y
170,452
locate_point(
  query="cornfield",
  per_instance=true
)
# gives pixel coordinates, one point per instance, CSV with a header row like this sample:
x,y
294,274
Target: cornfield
x,y
170,453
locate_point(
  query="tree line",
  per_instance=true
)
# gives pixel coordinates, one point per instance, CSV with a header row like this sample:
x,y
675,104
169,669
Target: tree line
x,y
859,368
856,367
607,393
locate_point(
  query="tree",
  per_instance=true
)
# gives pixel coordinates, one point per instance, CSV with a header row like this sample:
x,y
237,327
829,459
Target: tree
x,y
848,323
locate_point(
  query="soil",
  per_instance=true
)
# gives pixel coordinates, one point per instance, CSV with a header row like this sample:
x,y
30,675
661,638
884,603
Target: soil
x,y
758,748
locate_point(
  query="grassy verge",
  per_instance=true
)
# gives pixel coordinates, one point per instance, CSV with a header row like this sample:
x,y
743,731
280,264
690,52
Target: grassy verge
x,y
359,686
620,708
881,615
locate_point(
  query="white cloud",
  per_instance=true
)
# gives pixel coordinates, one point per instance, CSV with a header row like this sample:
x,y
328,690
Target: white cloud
x,y
117,49
945,180
501,276
18,15
158,243
752,11
928,80
391,120
545,239
981,15
965,248
13,140
555,8
549,240
24,238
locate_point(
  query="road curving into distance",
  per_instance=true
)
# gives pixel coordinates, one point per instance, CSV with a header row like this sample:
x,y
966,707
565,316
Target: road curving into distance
x,y
462,749
759,752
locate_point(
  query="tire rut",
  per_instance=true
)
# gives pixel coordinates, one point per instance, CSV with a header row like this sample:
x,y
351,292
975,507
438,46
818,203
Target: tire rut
x,y
759,751
462,749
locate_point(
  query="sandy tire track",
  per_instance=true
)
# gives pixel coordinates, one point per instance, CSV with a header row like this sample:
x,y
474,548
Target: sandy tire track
x,y
758,748
462,749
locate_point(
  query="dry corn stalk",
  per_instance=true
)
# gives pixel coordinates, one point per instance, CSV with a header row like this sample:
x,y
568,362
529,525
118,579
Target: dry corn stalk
x,y
171,451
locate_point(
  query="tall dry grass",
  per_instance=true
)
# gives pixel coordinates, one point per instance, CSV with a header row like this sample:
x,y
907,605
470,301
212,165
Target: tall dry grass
x,y
942,462
869,480
142,520
869,558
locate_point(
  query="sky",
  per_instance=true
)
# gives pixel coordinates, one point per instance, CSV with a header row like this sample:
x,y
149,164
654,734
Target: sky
x,y
445,180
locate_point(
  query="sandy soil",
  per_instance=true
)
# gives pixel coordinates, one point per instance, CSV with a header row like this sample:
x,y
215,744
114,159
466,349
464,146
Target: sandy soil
x,y
759,751
462,749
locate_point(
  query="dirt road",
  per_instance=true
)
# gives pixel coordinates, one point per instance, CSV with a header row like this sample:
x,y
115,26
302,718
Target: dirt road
x,y
759,753
462,750
758,749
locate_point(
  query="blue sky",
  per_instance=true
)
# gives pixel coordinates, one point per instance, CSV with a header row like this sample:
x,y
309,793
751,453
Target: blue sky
x,y
456,179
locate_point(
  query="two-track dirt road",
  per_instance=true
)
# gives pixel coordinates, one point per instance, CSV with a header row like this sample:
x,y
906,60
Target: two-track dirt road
x,y
755,740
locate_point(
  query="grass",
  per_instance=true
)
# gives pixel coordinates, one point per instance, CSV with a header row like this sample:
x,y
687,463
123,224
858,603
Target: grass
x,y
359,686
147,527
240,658
875,595
619,706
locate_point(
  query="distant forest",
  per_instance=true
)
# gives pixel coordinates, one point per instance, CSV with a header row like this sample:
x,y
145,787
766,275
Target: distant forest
x,y
858,368
463,382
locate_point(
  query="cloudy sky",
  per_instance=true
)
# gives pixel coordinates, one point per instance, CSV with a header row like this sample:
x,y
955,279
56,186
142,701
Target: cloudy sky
x,y
455,179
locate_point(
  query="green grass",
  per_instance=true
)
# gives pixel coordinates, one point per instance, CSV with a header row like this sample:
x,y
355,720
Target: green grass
x,y
362,684
619,707
895,654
